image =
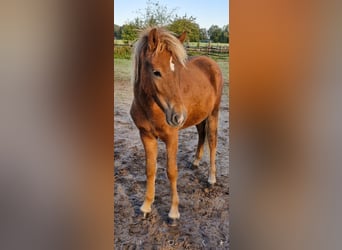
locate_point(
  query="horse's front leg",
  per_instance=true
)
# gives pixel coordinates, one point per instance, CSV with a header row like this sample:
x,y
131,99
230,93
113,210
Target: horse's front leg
x,y
172,173
151,152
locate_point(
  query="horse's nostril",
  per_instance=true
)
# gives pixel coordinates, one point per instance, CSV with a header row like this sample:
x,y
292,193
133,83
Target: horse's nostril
x,y
174,119
177,119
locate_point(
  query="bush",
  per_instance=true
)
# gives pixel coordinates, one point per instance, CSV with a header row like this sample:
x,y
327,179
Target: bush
x,y
122,52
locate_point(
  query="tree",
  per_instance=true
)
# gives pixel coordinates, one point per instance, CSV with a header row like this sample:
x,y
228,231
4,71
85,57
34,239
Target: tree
x,y
203,34
187,24
155,14
215,33
129,32
117,32
224,38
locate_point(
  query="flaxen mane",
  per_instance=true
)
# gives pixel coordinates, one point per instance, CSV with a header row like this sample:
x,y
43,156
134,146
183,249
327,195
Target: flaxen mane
x,y
167,40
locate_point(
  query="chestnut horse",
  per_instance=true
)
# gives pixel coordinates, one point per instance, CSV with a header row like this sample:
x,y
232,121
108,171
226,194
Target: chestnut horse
x,y
172,92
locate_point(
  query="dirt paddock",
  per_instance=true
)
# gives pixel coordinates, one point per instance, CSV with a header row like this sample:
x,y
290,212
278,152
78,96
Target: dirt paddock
x,y
204,220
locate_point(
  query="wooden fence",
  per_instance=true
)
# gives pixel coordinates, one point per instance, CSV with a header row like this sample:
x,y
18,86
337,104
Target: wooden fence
x,y
215,51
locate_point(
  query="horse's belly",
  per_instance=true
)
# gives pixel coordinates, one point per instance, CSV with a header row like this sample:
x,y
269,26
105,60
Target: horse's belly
x,y
197,114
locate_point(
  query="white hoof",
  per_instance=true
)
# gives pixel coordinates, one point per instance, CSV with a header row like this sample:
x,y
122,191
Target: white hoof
x,y
174,214
145,209
212,180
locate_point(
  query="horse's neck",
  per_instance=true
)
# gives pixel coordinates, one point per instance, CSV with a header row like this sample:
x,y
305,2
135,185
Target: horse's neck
x,y
143,94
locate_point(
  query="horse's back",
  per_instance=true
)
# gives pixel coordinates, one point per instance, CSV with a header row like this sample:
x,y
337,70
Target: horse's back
x,y
206,68
202,88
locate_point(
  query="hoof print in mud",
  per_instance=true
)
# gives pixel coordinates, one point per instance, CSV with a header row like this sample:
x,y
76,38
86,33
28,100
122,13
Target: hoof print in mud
x,y
172,222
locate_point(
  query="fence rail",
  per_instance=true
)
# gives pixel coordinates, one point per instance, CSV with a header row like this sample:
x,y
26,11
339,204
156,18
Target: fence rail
x,y
216,51
208,49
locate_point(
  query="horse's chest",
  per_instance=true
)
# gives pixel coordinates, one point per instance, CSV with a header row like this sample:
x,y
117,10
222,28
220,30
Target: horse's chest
x,y
151,120
159,125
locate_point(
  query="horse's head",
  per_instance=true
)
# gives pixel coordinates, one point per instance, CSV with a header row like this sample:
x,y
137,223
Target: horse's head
x,y
163,63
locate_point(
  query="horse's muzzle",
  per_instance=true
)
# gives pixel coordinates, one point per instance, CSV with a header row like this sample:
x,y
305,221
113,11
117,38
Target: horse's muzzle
x,y
175,119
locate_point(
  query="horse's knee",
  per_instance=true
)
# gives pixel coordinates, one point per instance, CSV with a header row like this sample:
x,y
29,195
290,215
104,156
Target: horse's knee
x,y
172,174
151,175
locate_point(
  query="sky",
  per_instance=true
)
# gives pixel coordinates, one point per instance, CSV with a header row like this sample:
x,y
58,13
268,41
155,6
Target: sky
x,y
206,12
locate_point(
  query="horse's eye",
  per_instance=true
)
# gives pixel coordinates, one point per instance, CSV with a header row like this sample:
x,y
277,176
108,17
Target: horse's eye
x,y
156,73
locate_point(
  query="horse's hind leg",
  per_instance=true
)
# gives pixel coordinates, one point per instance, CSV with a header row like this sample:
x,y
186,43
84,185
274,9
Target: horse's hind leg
x,y
151,151
212,140
201,138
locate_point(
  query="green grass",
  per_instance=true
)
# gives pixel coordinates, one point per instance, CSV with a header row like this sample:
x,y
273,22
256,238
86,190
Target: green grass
x,y
122,52
122,69
119,42
123,42
224,65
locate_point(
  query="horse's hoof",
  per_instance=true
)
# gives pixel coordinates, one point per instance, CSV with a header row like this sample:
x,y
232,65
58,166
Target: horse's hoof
x,y
210,185
172,222
145,215
194,166
211,181
191,165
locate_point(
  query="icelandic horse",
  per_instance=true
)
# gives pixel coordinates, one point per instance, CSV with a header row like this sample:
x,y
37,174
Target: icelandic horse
x,y
173,92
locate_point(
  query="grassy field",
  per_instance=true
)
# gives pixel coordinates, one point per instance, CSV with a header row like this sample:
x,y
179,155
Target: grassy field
x,y
119,41
122,69
224,65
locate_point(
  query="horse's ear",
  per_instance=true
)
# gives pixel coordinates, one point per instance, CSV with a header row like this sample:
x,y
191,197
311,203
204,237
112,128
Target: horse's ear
x,y
182,37
153,39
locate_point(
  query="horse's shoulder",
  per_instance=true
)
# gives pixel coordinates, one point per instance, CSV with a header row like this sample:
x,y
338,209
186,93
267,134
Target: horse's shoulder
x,y
139,117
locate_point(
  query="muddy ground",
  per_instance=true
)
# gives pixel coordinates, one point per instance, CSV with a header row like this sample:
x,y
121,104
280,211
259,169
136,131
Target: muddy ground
x,y
204,213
